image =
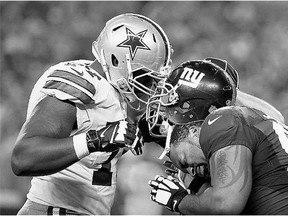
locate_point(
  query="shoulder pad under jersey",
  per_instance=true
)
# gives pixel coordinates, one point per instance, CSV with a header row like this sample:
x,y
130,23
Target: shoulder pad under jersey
x,y
219,129
73,80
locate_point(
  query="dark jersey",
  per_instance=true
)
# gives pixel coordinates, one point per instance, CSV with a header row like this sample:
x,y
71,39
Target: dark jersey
x,y
268,141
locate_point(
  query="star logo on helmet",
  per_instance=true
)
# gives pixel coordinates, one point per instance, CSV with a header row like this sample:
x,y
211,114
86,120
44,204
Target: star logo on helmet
x,y
134,42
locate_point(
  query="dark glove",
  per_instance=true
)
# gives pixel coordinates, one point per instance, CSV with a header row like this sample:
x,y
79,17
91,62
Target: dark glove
x,y
136,147
114,136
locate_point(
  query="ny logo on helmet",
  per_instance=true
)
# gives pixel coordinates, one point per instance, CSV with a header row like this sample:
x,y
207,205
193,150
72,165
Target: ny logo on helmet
x,y
134,42
191,77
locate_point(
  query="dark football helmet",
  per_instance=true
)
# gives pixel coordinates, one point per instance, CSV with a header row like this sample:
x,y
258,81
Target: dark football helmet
x,y
226,67
192,91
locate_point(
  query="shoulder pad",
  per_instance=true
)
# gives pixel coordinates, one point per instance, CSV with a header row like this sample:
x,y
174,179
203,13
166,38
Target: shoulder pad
x,y
74,81
220,118
218,129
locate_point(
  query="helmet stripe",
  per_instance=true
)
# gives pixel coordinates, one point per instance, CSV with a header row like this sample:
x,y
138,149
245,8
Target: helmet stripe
x,y
163,35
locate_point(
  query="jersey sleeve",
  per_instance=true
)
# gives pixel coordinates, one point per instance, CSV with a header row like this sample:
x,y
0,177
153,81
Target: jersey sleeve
x,y
71,81
225,127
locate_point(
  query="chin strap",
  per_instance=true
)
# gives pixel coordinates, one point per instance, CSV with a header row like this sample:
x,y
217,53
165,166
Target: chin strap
x,y
128,63
105,66
167,143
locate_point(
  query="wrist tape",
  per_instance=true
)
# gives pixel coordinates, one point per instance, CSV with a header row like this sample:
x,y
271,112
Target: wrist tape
x,y
178,198
80,145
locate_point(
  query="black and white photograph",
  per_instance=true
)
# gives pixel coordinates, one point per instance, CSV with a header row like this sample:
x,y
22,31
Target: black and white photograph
x,y
144,107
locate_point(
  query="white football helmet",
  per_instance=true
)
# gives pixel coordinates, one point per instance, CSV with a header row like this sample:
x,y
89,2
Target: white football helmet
x,y
134,52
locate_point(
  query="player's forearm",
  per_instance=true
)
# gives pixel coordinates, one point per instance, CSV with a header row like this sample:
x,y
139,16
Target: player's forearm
x,y
209,202
42,156
197,204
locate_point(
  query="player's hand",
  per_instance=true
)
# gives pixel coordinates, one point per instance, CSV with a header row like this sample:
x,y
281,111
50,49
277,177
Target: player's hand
x,y
172,170
138,143
167,192
114,136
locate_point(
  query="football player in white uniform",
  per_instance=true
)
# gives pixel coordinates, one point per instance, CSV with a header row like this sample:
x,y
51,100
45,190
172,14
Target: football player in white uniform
x,y
82,117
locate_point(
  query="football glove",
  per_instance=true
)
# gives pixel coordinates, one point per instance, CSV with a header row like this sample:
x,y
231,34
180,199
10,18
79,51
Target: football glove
x,y
114,136
172,170
138,143
193,180
167,192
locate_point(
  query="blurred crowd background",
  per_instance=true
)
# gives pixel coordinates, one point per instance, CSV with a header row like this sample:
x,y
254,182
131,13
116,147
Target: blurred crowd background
x,y
252,36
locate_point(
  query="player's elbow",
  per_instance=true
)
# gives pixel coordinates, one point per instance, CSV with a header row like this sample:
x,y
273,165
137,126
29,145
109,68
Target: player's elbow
x,y
21,163
224,206
227,209
19,167
16,166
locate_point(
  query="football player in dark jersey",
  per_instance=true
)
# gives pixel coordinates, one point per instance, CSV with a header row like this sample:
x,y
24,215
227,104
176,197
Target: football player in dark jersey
x,y
82,117
242,99
246,150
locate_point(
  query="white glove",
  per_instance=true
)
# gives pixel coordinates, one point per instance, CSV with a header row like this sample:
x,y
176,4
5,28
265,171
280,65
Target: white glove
x,y
167,192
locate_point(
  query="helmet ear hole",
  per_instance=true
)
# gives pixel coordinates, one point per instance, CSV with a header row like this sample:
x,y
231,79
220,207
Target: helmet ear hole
x,y
114,61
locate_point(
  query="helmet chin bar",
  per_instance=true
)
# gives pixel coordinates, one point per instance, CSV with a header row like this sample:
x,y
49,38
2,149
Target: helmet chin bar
x,y
152,116
154,121
127,84
134,81
162,98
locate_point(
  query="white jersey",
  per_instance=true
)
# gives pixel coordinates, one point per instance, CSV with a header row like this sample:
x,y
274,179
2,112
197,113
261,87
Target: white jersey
x,y
88,186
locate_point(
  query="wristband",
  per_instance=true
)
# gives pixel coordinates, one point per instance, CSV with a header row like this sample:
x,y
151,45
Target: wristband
x,y
80,145
177,199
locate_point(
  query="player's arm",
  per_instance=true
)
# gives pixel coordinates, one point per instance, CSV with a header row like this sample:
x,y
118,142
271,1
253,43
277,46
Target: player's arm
x,y
231,181
43,145
227,140
244,99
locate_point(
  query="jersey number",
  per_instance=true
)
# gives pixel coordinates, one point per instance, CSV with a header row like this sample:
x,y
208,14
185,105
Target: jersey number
x,y
103,176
